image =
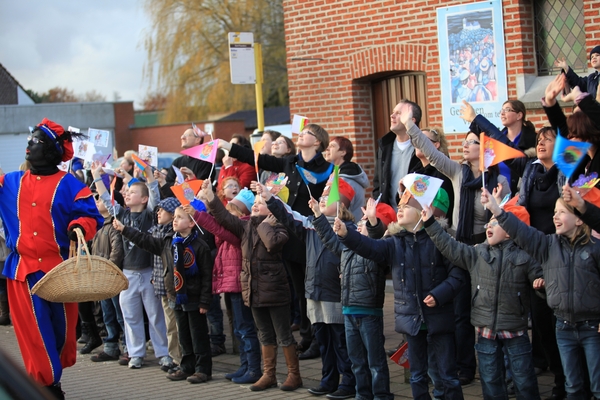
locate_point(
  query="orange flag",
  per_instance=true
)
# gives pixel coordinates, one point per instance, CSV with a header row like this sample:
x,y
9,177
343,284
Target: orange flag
x,y
492,152
258,146
400,357
187,190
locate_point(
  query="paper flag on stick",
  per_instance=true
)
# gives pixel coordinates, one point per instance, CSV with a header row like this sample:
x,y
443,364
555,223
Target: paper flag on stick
x,y
258,146
400,357
298,123
180,178
139,162
567,154
205,152
422,187
493,152
334,190
199,132
314,177
112,191
187,190
585,183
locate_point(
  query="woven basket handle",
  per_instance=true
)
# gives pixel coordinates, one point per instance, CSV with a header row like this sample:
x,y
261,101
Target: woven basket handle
x,y
81,245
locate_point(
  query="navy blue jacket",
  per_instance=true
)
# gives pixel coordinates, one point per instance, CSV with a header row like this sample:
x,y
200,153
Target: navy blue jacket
x,y
418,270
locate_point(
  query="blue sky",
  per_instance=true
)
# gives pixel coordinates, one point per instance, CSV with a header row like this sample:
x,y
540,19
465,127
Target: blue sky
x,y
79,45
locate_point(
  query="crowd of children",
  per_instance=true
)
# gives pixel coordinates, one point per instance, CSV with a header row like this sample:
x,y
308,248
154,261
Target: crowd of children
x,y
492,262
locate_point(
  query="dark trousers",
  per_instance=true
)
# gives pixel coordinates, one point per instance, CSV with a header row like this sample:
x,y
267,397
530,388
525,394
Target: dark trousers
x,y
465,333
297,273
334,355
215,320
273,325
192,330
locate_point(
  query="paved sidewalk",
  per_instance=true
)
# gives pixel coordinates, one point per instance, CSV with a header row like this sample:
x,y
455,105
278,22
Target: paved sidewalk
x,y
89,381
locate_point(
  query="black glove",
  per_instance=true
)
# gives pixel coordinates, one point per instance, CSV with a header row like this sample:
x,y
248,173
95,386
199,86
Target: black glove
x,y
73,234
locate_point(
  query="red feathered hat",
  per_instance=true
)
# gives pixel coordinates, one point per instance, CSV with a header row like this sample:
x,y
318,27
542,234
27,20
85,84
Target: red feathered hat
x,y
385,213
346,192
54,131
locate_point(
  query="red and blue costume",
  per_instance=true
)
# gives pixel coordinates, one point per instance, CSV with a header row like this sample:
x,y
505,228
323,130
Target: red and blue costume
x,y
37,212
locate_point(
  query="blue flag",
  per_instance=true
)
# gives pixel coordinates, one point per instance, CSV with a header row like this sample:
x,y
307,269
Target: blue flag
x,y
567,154
314,177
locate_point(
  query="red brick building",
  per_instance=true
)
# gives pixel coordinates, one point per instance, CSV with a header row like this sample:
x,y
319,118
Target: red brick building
x,y
350,62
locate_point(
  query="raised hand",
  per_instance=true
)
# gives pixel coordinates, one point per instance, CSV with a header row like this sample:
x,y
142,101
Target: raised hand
x,y
118,225
426,213
207,192
314,206
573,198
188,173
488,201
572,96
406,115
562,64
370,211
554,88
339,227
263,191
467,112
189,209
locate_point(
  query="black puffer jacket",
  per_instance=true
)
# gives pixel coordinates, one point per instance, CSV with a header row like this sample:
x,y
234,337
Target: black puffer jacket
x,y
570,270
363,280
418,270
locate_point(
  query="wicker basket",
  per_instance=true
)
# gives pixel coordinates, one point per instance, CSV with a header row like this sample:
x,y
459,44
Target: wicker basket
x,y
81,278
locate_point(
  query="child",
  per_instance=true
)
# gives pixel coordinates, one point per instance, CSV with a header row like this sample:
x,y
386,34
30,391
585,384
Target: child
x,y
501,275
363,293
569,260
226,279
228,189
323,289
137,267
189,263
264,285
421,275
165,215
108,244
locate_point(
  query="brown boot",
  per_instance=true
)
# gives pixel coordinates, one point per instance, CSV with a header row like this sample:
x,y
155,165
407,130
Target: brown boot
x,y
4,312
293,380
268,378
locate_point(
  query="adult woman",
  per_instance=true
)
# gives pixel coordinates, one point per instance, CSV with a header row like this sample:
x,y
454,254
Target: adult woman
x,y
516,129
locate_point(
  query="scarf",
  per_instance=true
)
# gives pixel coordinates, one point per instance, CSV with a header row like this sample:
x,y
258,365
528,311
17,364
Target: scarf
x,y
470,187
185,264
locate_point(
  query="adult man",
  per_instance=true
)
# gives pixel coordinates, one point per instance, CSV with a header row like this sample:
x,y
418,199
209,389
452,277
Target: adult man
x,y
395,156
188,165
40,209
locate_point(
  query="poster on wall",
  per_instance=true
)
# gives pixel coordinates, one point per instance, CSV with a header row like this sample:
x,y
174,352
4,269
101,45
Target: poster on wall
x,y
472,62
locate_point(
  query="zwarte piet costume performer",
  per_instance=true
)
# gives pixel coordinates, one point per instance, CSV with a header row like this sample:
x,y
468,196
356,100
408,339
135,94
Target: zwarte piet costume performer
x,y
40,209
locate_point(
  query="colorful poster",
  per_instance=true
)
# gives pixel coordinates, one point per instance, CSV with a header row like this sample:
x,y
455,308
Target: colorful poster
x,y
472,64
149,154
98,137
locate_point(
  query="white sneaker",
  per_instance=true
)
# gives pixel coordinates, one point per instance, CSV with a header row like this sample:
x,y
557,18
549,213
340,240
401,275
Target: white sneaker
x,y
165,361
136,362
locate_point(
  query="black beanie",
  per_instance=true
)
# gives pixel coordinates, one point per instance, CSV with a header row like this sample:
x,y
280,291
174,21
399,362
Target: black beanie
x,y
595,50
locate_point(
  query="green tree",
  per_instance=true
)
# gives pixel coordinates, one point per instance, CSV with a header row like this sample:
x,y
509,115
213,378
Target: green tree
x,y
188,54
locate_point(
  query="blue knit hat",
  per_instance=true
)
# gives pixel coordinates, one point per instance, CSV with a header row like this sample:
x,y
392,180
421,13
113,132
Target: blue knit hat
x,y
169,204
244,199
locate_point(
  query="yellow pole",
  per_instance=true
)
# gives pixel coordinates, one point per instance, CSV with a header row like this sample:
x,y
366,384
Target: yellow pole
x,y
260,114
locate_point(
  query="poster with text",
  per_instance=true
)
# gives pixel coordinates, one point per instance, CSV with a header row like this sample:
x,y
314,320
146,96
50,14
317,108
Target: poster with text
x,y
472,61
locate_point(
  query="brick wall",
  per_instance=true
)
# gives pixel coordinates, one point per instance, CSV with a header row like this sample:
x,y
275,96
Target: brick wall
x,y
334,47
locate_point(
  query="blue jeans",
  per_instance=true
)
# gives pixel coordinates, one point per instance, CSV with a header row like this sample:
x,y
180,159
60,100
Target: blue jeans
x,y
574,342
491,367
215,321
432,371
365,342
334,356
440,346
245,331
113,321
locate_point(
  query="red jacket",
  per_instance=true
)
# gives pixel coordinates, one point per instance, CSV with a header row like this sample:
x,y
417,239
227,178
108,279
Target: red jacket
x,y
228,263
245,173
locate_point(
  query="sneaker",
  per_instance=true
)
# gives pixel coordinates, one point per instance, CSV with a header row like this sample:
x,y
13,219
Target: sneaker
x,y
217,349
341,394
178,375
166,363
136,362
102,356
124,359
198,377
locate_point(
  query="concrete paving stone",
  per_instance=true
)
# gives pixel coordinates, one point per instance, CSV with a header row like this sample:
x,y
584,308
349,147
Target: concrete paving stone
x,y
87,380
